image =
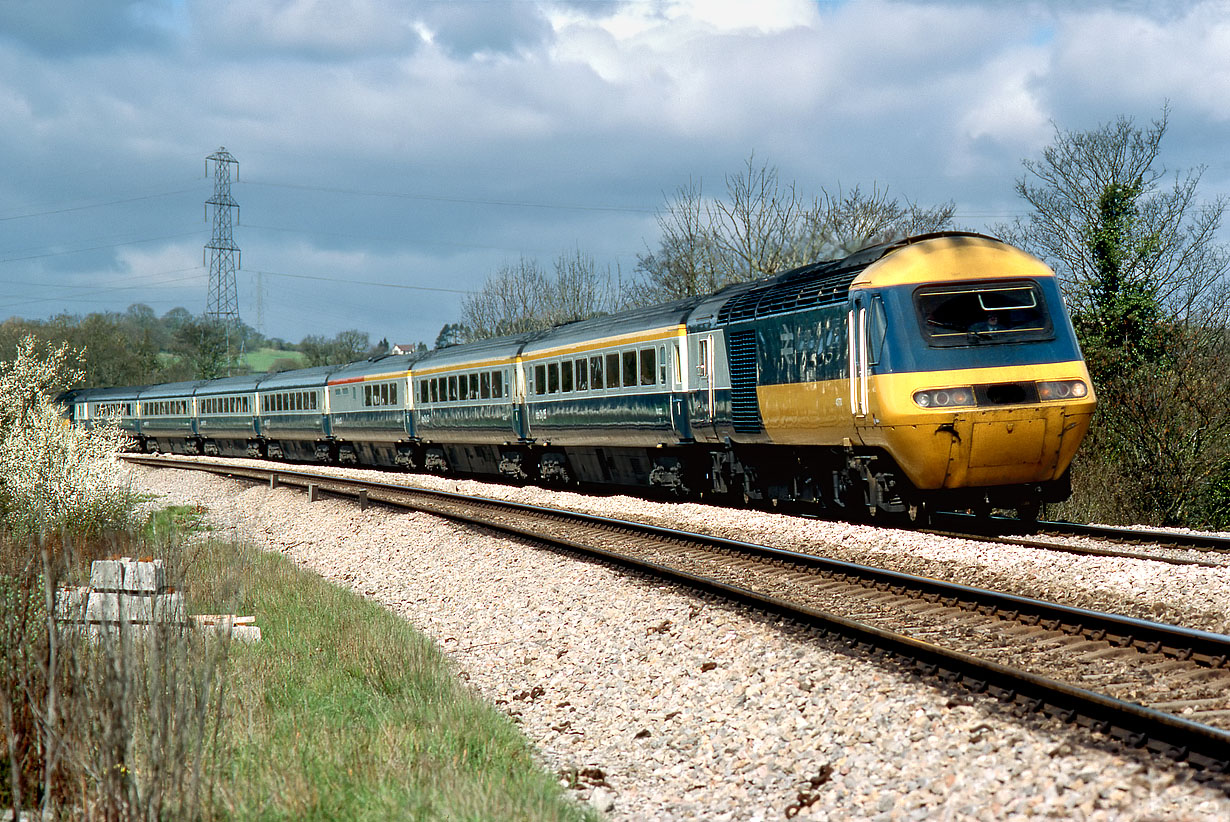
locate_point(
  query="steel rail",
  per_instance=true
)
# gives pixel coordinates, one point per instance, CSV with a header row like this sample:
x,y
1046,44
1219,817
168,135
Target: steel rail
x,y
1216,543
1138,726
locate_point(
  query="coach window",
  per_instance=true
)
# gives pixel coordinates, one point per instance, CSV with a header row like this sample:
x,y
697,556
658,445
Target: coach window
x,y
367,395
649,367
629,372
595,372
553,378
612,370
474,386
452,389
497,384
484,386
662,364
540,379
565,376
582,377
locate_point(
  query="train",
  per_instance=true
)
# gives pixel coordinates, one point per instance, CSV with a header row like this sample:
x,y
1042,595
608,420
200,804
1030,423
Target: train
x,y
938,371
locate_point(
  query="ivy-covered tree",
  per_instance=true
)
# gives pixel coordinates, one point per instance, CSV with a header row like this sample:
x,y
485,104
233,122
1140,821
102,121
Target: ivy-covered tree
x,y
1144,276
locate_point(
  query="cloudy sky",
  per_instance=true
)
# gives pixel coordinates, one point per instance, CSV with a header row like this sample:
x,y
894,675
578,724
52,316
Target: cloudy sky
x,y
394,154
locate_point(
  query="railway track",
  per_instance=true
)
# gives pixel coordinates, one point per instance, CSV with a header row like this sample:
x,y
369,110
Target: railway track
x,y
1156,687
1207,550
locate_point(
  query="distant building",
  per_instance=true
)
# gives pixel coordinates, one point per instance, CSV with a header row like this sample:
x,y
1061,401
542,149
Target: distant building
x,y
404,348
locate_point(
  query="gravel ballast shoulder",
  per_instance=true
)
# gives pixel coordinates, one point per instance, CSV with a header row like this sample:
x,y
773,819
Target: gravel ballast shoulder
x,y
654,704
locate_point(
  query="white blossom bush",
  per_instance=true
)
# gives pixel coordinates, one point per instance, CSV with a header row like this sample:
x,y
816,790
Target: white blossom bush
x,y
55,477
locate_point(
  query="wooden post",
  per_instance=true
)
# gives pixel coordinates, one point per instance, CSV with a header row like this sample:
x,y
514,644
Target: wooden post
x,y
313,492
363,500
273,481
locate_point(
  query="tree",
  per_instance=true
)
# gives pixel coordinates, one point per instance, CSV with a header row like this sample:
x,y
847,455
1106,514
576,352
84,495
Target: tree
x,y
686,262
510,302
764,226
351,345
1145,280
202,344
348,346
523,297
450,334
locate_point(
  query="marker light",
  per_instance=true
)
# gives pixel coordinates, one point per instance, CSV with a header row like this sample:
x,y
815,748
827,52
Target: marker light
x,y
1062,390
945,397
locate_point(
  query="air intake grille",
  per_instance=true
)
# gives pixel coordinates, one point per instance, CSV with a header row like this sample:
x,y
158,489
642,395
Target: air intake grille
x,y
744,406
807,289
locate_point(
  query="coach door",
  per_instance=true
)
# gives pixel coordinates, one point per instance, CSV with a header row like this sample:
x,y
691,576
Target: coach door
x,y
706,391
866,326
857,335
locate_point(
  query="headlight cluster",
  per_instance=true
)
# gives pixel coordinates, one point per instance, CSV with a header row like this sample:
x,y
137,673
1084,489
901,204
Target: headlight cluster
x,y
944,397
1062,390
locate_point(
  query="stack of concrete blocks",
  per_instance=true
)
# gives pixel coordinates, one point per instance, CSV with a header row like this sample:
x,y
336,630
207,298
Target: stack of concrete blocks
x,y
124,596
130,596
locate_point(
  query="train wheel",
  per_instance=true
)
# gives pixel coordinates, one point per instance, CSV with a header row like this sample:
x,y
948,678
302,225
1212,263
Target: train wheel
x,y
1028,512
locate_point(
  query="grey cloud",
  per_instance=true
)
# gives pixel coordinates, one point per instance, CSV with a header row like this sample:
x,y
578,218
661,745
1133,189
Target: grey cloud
x,y
66,27
501,26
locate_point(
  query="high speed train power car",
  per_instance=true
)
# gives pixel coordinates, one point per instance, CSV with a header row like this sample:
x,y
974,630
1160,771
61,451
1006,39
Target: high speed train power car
x,y
936,371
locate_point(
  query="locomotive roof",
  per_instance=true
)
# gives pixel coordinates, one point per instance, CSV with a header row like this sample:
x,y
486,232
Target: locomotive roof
x,y
315,377
810,286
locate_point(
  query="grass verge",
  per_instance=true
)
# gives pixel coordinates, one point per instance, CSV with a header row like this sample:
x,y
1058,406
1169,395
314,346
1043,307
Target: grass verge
x,y
342,710
263,359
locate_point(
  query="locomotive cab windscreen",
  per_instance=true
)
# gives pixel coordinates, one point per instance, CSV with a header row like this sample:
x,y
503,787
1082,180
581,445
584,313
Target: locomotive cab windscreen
x,y
977,314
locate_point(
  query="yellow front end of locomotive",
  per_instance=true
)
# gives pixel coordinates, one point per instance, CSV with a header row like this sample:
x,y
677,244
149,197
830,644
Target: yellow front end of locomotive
x,y
973,446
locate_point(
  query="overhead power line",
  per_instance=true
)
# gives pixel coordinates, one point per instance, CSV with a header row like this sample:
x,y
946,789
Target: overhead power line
x,y
99,247
465,200
68,209
350,281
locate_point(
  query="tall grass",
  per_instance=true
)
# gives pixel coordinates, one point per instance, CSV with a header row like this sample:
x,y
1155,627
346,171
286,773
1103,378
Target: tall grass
x,y
112,725
342,710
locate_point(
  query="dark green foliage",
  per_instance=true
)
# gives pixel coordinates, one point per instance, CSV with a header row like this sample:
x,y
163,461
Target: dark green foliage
x,y
348,346
450,334
1121,325
1145,281
207,348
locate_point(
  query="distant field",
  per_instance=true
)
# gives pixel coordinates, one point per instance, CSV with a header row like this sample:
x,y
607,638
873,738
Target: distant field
x,y
262,359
